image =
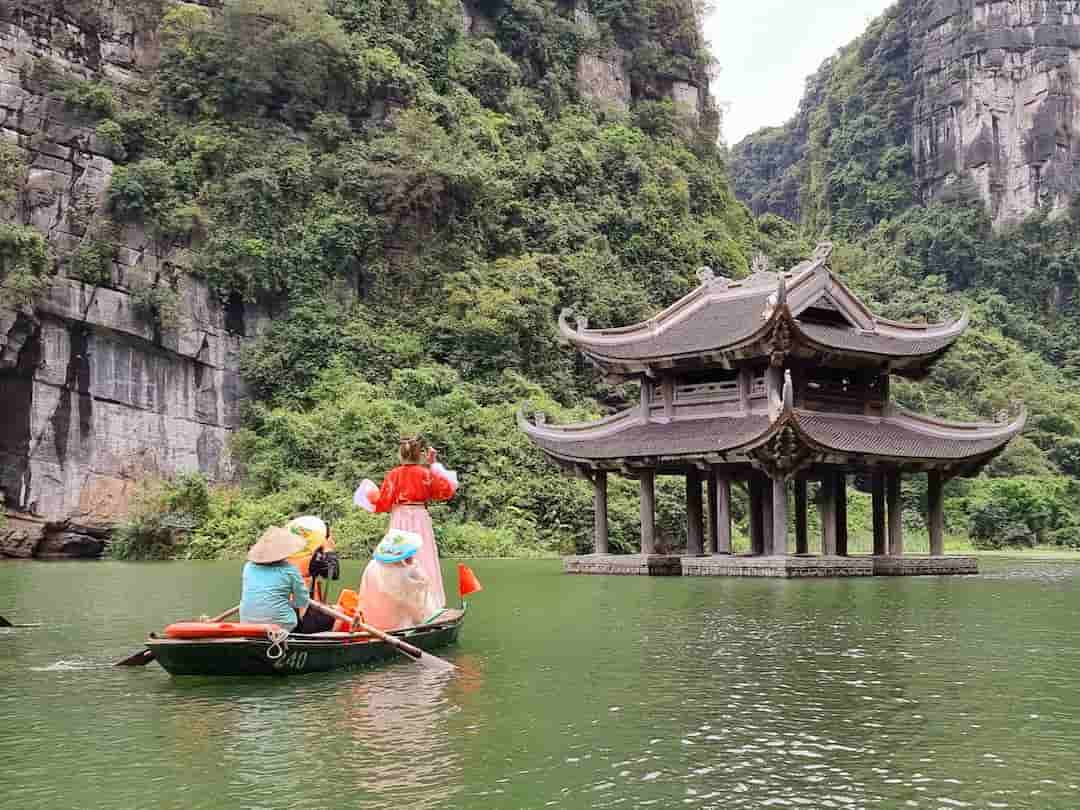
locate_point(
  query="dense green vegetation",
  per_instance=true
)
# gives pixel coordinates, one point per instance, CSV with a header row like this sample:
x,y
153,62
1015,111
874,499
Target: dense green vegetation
x,y
842,168
424,202
24,261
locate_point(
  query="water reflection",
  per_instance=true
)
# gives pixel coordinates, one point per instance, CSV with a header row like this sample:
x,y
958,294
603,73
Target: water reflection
x,y
391,743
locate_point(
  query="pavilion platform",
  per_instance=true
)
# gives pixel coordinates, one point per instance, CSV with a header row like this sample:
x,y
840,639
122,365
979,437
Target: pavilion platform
x,y
796,566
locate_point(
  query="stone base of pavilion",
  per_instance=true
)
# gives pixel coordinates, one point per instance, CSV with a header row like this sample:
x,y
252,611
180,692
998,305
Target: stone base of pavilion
x,y
788,567
643,565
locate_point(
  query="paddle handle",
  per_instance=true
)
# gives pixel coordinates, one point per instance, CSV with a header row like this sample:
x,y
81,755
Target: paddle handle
x,y
413,652
223,616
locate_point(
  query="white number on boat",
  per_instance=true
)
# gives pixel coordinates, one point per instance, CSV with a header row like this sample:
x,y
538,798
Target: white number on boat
x,y
296,660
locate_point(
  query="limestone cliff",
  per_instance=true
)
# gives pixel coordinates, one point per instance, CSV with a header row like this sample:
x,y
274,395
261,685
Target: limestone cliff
x,y
986,96
94,393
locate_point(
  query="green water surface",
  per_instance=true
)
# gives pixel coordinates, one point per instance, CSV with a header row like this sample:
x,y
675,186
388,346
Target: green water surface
x,y
573,692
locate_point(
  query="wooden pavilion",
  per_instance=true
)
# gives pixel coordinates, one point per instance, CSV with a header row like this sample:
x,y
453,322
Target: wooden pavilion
x,y
774,380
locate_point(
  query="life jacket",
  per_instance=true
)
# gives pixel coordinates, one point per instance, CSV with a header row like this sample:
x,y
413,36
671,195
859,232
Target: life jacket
x,y
348,602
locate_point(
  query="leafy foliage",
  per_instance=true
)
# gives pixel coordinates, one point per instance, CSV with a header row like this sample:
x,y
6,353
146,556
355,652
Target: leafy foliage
x,y
24,263
423,204
160,517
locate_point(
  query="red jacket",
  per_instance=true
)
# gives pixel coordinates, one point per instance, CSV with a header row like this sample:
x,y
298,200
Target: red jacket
x,y
414,483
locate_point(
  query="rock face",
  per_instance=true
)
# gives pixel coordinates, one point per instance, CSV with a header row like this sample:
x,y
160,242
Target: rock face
x,y
998,101
603,77
991,107
94,394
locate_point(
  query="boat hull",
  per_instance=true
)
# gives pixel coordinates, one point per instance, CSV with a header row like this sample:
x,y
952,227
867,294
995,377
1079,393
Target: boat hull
x,y
298,655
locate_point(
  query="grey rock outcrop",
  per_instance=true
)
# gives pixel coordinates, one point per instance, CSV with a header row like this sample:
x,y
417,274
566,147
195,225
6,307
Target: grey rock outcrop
x,y
603,75
990,107
94,395
998,101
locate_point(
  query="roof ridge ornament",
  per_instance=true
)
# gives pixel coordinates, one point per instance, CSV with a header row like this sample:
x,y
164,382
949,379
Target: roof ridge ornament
x,y
709,278
581,323
777,300
1011,413
823,251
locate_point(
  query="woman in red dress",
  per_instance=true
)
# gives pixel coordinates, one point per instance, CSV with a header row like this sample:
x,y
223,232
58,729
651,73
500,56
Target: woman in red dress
x,y
405,493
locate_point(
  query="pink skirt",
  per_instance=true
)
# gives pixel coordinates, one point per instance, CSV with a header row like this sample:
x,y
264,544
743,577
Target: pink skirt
x,y
414,518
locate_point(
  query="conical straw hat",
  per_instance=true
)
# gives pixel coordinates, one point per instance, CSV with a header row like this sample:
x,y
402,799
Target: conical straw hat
x,y
275,545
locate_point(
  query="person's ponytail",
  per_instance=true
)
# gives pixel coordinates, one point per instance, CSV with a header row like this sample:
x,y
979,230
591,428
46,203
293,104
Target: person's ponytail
x,y
411,449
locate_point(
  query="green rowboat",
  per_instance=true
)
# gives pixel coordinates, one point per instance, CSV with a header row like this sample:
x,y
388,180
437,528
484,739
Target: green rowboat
x,y
297,654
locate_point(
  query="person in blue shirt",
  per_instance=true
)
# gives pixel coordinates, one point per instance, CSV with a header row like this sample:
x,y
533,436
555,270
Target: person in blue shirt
x,y
273,590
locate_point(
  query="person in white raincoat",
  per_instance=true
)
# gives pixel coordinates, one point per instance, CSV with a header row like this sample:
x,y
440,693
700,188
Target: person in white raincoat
x,y
394,591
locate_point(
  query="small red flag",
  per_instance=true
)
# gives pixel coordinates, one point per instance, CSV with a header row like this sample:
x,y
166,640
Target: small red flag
x,y
467,581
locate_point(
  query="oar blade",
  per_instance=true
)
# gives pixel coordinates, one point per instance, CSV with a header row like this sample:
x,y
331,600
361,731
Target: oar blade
x,y
139,659
434,663
5,623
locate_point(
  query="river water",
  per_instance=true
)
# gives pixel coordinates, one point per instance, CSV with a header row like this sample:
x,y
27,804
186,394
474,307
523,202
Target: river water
x,y
574,692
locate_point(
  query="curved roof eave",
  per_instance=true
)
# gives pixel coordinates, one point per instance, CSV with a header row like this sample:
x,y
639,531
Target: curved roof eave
x,y
943,336
901,436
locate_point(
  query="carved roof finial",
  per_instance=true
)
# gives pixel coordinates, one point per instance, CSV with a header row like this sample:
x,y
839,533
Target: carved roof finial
x,y
760,264
581,323
709,278
823,251
1009,413
781,290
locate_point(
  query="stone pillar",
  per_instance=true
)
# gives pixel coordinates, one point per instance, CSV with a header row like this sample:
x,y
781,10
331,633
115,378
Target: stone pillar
x,y
721,513
766,516
648,512
827,509
881,543
695,526
801,544
600,515
757,534
896,522
646,398
779,516
841,514
935,514
714,533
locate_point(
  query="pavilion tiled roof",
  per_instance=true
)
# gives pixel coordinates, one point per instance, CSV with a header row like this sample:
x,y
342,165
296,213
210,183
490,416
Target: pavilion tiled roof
x,y
721,315
905,435
900,435
629,437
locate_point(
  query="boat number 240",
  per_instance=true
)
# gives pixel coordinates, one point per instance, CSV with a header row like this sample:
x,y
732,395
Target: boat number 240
x,y
295,660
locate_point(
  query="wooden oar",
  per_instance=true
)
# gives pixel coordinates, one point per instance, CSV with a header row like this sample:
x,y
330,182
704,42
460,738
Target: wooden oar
x,y
403,647
146,655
